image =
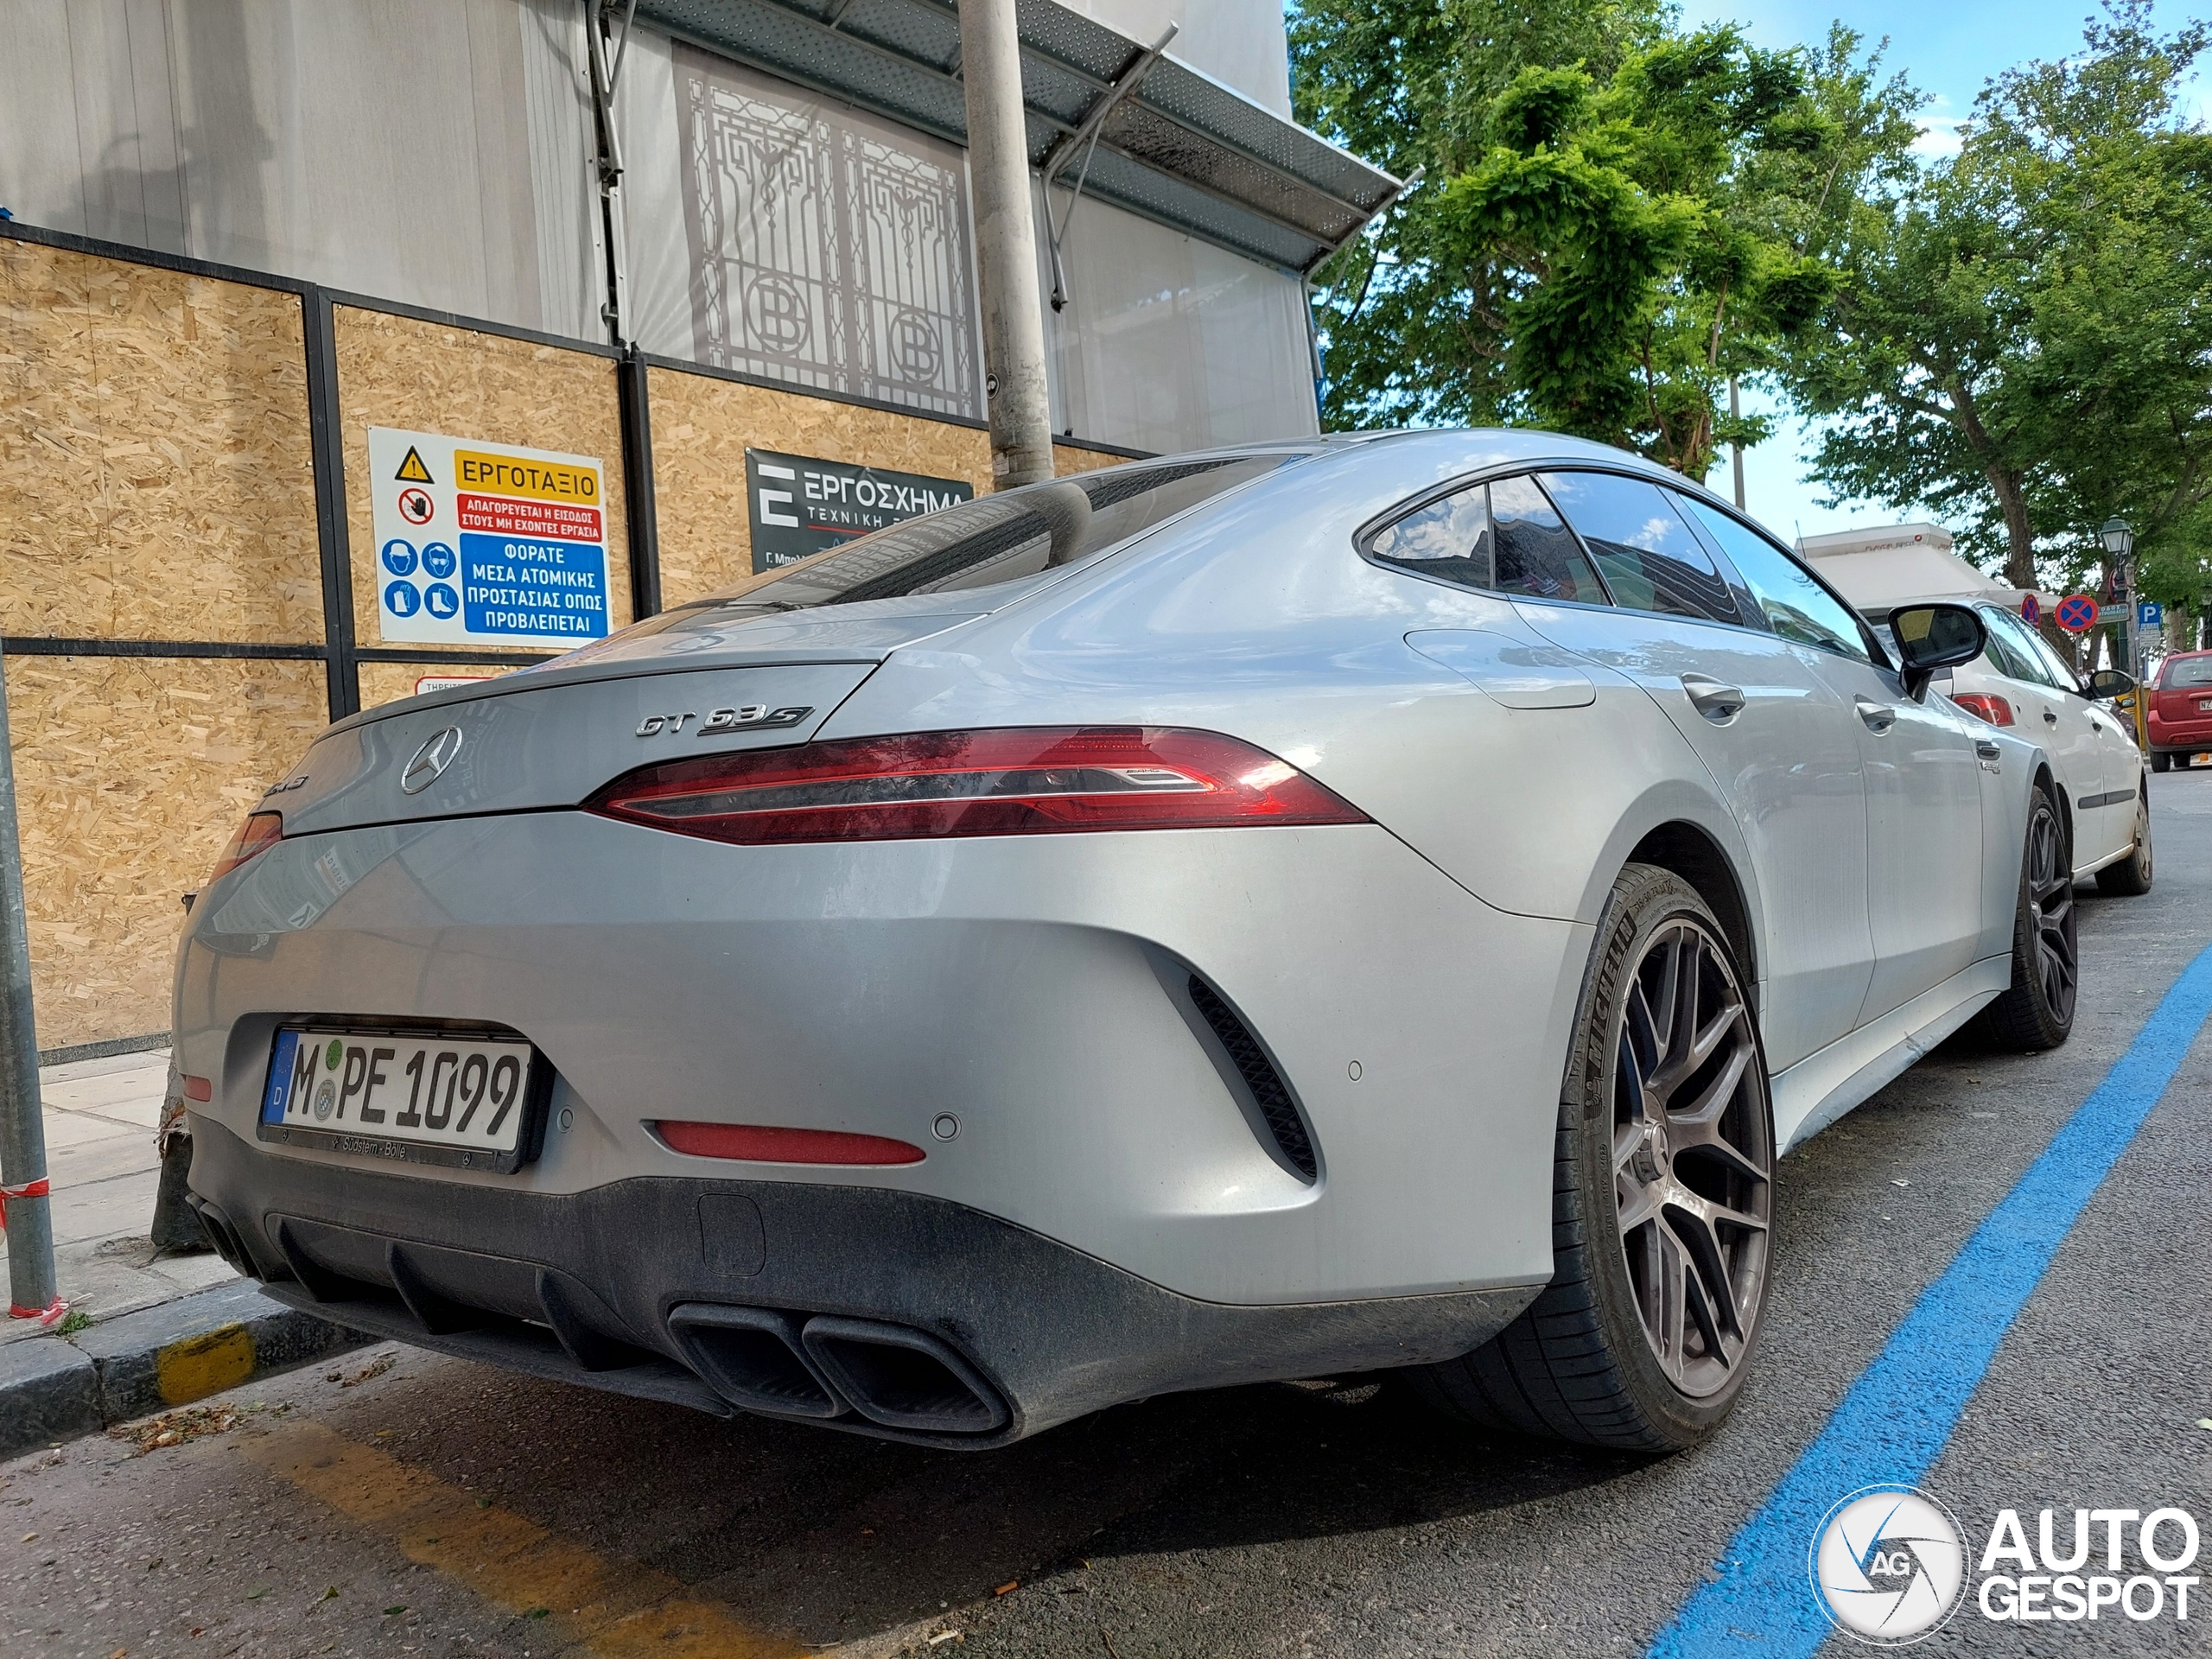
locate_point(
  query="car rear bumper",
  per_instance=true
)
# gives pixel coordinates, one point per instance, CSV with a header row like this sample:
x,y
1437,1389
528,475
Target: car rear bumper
x,y
881,1312
1018,1009
2189,736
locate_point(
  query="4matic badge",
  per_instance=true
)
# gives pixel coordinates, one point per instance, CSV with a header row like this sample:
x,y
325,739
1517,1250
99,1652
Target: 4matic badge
x,y
748,717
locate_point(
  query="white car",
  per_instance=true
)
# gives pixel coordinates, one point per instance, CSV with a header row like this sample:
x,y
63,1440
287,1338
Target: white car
x,y
2020,681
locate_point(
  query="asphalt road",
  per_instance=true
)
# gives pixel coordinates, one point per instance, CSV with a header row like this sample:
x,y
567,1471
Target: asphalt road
x,y
406,1503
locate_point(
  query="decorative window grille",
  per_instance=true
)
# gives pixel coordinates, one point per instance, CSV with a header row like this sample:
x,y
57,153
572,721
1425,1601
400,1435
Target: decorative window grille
x,y
828,250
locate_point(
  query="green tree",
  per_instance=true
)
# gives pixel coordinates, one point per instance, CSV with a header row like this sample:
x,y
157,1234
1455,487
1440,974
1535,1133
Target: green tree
x,y
1413,327
1614,218
2022,343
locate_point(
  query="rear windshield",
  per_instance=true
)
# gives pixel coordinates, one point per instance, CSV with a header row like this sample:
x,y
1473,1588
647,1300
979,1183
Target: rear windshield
x,y
1000,538
2187,670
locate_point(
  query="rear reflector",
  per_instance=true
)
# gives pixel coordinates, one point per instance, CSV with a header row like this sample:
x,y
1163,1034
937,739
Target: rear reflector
x,y
1984,705
1014,781
754,1143
198,1089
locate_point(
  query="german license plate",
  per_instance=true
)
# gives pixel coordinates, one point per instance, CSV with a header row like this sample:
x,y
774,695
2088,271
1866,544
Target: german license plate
x,y
469,1101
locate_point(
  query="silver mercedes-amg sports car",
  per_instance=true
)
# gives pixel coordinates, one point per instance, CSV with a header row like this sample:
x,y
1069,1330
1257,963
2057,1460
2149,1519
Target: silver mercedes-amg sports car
x,y
1378,902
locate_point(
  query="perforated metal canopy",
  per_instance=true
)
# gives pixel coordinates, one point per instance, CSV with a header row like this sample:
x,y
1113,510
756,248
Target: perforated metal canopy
x,y
1180,148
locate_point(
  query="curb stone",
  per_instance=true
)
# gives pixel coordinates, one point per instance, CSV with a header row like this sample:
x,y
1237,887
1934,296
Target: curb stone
x,y
49,1392
56,1389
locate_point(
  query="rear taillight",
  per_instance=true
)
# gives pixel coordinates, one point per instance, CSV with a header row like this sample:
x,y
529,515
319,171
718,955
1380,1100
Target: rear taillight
x,y
1984,705
1009,782
261,831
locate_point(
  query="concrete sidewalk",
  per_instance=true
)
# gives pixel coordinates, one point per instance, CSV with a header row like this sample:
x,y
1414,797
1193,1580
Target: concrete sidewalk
x,y
100,1119
164,1330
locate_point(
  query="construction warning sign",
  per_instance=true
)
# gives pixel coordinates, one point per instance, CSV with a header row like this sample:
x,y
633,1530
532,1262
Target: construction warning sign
x,y
483,545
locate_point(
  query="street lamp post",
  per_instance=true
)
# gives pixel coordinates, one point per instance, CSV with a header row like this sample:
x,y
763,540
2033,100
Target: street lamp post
x,y
2119,537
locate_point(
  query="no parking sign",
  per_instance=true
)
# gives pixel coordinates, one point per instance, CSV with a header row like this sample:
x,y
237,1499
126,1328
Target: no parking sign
x,y
486,544
2077,613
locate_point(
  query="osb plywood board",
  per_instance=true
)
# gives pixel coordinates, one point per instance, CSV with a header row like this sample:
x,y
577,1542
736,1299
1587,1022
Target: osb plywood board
x,y
1074,458
701,428
154,468
384,683
430,376
132,773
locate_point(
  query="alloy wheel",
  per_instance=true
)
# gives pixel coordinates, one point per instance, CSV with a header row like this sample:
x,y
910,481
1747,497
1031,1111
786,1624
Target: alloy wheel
x,y
2050,912
1693,1157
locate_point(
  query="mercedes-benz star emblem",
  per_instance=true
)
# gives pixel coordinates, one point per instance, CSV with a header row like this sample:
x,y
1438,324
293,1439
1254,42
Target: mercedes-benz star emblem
x,y
430,761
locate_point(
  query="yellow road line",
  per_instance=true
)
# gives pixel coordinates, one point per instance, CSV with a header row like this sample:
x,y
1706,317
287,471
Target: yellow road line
x,y
617,1609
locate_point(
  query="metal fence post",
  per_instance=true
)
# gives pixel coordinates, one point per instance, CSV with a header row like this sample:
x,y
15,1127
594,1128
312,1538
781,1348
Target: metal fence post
x,y
634,396
31,1280
334,537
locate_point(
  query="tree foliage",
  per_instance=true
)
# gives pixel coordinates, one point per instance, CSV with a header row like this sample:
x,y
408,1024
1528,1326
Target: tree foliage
x,y
2022,344
1614,218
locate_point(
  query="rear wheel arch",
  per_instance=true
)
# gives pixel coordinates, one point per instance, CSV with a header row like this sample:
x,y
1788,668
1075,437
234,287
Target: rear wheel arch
x,y
1689,852
2045,778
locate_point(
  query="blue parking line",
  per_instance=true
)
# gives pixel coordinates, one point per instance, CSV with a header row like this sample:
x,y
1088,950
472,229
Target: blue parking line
x,y
1898,1417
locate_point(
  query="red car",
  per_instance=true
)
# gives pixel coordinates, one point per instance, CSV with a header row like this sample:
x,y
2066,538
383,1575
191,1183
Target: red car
x,y
2181,709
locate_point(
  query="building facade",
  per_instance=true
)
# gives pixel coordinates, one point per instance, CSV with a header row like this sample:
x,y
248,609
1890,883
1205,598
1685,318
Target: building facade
x,y
256,244
810,226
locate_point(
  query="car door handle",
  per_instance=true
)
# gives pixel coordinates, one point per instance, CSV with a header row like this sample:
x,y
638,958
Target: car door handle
x,y
2049,718
1717,702
1985,749
1879,716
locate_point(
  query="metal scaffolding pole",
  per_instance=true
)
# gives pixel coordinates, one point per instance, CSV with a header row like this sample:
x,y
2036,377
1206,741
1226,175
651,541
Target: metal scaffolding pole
x,y
1006,246
23,1203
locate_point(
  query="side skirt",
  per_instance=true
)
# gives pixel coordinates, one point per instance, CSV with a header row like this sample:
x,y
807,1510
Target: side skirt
x,y
1825,1085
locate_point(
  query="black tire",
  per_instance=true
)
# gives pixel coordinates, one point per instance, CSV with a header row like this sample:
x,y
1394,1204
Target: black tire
x,y
2037,1010
1629,1347
2160,762
2130,877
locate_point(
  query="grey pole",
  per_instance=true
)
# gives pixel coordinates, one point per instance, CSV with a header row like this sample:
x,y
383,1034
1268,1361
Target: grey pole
x,y
23,1129
1006,246
1736,413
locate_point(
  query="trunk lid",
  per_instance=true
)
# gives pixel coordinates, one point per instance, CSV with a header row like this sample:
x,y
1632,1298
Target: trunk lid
x,y
674,688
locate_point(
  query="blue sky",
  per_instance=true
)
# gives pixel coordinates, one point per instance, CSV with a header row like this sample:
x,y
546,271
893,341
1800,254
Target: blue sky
x,y
1949,48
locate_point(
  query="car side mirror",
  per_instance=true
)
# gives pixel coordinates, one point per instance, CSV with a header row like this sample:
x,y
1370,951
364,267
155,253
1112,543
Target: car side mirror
x,y
2109,682
1931,637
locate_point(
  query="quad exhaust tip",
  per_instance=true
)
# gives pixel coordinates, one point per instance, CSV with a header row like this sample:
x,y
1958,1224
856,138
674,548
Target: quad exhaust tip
x,y
787,1365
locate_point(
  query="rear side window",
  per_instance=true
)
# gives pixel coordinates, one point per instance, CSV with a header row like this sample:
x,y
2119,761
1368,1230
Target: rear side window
x,y
1537,555
1001,537
2039,664
1797,608
1448,539
2186,671
1650,558
2004,653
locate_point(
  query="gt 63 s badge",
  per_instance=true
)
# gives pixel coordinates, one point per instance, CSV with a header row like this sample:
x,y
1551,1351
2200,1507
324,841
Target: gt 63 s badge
x,y
750,717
